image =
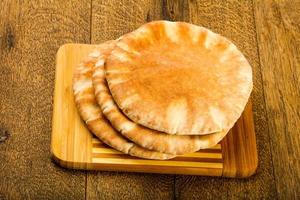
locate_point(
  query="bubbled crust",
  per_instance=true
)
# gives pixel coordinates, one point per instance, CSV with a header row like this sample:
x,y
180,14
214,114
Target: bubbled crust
x,y
179,78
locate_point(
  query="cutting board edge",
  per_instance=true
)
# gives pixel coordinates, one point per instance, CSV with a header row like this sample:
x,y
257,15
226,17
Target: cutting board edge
x,y
71,164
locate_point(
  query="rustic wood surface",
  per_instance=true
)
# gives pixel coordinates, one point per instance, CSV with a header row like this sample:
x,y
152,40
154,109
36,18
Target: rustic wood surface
x,y
30,34
278,39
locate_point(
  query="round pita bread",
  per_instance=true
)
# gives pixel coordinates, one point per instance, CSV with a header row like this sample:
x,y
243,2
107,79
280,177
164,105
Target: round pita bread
x,y
91,112
145,137
179,78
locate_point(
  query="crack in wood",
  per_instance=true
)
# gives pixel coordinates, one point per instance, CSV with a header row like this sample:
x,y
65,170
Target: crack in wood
x,y
165,12
148,17
10,38
4,134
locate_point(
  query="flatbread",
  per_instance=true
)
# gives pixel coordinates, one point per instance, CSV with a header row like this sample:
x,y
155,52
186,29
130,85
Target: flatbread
x,y
143,136
179,78
91,112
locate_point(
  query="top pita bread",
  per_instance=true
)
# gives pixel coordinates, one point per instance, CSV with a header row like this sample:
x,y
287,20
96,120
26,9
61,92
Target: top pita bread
x,y
91,112
179,78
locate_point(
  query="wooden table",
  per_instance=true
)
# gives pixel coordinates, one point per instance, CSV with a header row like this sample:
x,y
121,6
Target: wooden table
x,y
30,34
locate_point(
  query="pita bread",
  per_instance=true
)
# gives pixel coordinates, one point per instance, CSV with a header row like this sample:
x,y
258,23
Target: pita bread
x,y
92,115
179,78
145,137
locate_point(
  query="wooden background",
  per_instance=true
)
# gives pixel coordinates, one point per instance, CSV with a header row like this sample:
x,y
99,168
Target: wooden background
x,y
31,31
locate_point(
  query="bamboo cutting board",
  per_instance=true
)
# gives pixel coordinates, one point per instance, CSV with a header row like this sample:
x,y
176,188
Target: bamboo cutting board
x,y
73,146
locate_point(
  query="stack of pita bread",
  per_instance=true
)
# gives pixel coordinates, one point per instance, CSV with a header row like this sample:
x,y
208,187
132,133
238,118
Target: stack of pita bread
x,y
165,89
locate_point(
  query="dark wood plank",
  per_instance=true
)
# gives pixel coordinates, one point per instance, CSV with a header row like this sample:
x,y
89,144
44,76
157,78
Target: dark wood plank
x,y
114,185
278,33
233,19
111,19
30,34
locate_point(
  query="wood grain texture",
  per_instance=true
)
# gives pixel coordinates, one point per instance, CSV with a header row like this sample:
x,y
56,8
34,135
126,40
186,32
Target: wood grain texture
x,y
30,34
32,31
71,142
239,147
110,20
233,19
278,34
